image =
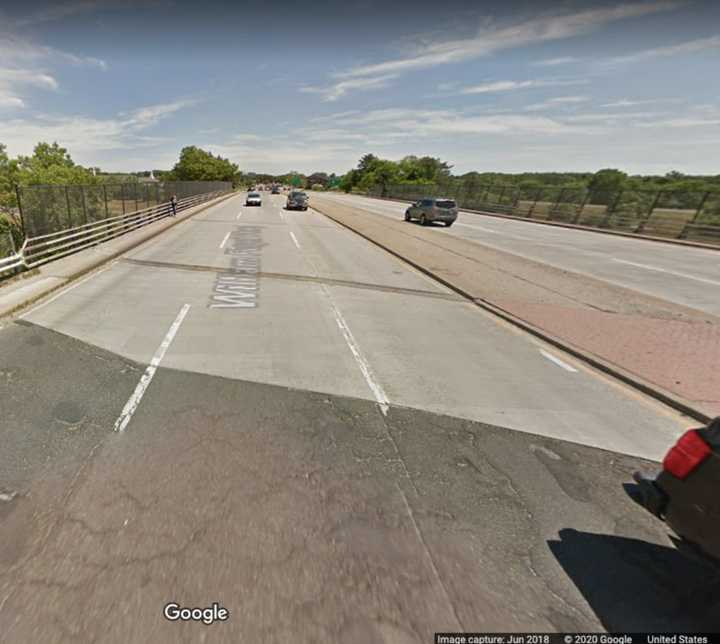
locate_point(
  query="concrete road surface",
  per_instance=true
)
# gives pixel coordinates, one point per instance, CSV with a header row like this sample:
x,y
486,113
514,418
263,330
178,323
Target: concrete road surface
x,y
680,274
262,410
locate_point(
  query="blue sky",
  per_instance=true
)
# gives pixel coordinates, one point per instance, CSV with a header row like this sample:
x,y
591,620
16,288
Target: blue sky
x,y
490,86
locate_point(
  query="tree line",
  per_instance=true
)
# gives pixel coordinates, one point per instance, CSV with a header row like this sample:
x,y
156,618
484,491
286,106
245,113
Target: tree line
x,y
373,172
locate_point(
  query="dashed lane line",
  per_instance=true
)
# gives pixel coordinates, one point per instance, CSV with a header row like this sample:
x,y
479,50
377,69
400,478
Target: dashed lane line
x,y
134,401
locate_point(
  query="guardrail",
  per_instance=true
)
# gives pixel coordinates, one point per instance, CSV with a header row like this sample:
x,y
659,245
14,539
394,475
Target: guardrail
x,y
45,248
11,263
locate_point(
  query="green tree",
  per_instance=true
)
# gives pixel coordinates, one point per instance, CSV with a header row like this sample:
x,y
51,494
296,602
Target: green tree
x,y
318,177
605,184
51,164
198,165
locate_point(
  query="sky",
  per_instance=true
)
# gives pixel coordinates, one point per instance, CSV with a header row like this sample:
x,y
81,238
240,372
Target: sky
x,y
500,86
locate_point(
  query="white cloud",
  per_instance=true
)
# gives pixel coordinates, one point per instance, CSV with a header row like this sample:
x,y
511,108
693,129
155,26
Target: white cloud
x,y
13,80
10,101
16,50
682,122
23,65
624,102
508,85
690,47
339,89
85,135
146,116
561,60
26,77
492,39
559,101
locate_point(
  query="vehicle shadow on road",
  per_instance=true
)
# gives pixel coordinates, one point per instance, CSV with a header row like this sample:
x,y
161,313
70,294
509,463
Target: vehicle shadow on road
x,y
635,586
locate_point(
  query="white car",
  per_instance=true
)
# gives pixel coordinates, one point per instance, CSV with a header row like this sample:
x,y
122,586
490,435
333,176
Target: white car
x,y
253,199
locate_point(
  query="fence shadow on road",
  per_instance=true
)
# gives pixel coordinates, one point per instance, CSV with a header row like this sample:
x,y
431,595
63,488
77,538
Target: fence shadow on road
x,y
636,586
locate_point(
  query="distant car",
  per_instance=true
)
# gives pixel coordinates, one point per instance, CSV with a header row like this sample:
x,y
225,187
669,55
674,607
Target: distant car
x,y
685,493
428,211
275,190
297,200
253,199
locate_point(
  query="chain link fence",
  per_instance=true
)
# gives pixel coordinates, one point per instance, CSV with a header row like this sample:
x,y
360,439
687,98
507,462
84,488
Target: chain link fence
x,y
663,213
50,209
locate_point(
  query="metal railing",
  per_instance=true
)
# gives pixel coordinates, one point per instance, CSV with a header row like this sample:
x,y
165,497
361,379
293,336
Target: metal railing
x,y
40,249
10,260
48,209
44,248
11,263
663,213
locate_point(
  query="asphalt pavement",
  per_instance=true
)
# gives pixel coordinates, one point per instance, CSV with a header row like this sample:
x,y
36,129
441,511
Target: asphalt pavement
x,y
261,409
682,274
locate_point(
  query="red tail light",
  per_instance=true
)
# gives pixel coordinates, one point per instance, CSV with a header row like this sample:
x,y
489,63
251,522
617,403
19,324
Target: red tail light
x,y
688,453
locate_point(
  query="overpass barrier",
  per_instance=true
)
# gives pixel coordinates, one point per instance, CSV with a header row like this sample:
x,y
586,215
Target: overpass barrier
x,y
42,248
694,216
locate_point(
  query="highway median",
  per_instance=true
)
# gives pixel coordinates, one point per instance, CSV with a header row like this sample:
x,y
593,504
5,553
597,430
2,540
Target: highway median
x,y
663,349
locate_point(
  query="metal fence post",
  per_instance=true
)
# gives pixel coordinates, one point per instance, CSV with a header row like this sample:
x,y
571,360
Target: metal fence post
x,y
20,210
538,194
487,193
67,202
696,216
107,211
646,218
135,190
586,198
611,210
122,196
557,203
84,205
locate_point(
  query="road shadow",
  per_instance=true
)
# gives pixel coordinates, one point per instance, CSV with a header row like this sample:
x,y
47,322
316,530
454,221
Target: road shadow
x,y
636,586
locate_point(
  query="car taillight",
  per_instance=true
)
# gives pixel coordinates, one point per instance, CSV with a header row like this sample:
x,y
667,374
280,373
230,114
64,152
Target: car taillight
x,y
688,453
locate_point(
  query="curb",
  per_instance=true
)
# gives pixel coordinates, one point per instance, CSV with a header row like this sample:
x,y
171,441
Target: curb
x,y
561,224
650,389
95,263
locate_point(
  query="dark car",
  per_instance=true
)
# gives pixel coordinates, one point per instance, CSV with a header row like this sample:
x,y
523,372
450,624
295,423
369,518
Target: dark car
x,y
297,200
275,190
428,211
686,492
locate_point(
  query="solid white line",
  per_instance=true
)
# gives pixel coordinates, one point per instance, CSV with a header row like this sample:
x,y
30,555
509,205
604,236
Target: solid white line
x,y
239,215
558,362
132,404
297,243
664,270
224,241
375,387
64,290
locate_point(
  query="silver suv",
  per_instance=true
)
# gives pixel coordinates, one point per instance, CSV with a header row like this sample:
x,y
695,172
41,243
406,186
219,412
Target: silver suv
x,y
430,210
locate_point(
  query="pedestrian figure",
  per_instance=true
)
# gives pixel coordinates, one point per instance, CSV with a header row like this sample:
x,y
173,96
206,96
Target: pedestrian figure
x,y
173,203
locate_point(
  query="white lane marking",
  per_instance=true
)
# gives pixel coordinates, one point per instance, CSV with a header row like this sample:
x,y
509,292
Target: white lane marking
x,y
65,290
558,362
239,215
224,241
375,387
297,243
665,270
132,404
